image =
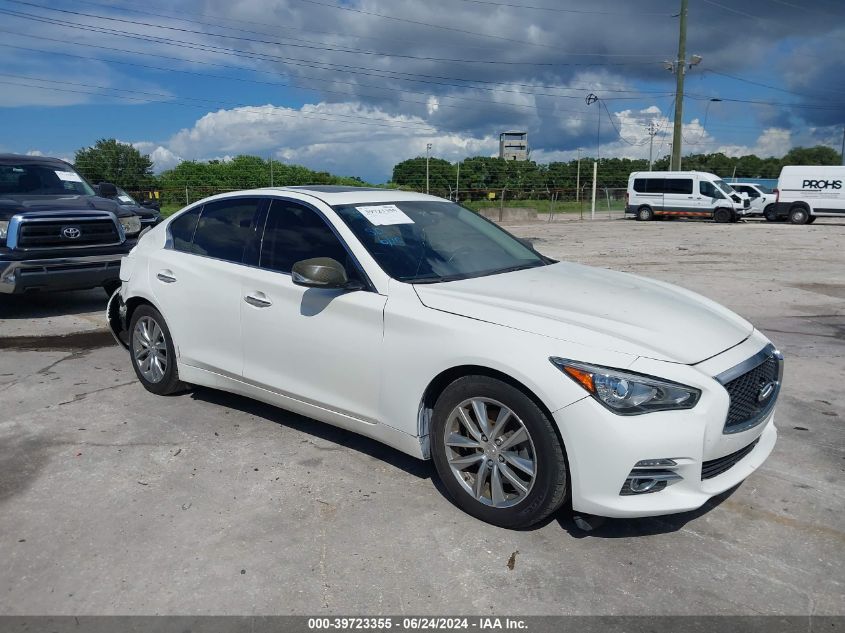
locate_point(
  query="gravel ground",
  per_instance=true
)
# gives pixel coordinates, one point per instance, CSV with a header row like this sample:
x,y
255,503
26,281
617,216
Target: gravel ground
x,y
114,501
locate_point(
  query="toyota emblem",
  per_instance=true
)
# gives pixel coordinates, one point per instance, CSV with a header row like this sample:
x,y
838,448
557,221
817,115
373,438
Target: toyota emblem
x,y
71,232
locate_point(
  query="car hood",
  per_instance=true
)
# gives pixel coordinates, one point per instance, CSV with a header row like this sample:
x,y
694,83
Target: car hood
x,y
12,204
598,308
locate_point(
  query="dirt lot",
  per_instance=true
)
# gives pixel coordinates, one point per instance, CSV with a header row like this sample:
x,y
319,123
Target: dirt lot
x,y
116,501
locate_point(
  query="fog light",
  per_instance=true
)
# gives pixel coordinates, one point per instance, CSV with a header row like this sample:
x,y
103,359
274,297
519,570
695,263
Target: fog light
x,y
644,480
655,463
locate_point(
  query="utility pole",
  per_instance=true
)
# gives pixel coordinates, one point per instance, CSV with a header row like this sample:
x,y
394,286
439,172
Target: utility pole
x,y
680,68
427,152
578,179
843,145
652,130
458,182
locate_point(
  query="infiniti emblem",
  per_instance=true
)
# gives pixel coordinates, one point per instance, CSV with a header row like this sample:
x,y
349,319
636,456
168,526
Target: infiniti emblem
x,y
71,232
766,391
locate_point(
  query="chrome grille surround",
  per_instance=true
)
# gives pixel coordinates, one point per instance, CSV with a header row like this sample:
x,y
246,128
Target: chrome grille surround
x,y
753,387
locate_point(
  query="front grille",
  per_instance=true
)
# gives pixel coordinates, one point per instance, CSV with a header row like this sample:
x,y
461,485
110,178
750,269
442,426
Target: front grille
x,y
55,233
716,467
754,392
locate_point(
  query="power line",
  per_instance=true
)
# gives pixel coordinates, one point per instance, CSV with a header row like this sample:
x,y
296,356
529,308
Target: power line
x,y
307,45
327,66
464,31
560,10
762,85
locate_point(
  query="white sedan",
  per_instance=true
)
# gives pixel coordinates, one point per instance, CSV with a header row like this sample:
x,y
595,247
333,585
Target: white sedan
x,y
416,322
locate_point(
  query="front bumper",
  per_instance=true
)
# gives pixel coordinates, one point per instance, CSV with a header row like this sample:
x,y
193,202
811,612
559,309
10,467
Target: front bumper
x,y
60,273
604,448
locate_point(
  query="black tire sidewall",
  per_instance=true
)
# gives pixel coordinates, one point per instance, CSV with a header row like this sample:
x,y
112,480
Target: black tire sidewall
x,y
645,211
170,382
546,494
798,215
721,215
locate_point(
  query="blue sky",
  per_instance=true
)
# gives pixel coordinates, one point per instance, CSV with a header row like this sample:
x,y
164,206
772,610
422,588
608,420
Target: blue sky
x,y
355,87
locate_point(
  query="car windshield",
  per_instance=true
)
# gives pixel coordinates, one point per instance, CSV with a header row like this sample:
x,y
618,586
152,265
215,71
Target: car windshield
x,y
42,180
125,198
423,241
725,187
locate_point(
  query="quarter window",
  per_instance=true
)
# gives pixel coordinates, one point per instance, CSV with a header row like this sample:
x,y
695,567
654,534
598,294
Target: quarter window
x,y
294,232
226,228
182,229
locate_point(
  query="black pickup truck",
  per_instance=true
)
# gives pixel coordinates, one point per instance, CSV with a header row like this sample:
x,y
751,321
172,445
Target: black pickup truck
x,y
55,232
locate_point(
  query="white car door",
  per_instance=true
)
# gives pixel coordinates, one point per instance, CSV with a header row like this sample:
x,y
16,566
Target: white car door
x,y
197,282
319,346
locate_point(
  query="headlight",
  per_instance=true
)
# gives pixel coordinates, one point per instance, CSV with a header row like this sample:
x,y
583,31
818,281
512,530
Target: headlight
x,y
4,230
131,225
628,393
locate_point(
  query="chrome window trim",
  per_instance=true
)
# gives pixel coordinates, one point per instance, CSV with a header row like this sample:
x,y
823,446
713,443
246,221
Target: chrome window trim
x,y
769,351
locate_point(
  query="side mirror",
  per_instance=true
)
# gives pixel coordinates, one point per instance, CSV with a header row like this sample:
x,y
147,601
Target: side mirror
x,y
322,272
107,190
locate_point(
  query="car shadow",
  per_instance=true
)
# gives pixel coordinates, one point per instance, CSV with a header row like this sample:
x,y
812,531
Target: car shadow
x,y
38,305
415,467
602,527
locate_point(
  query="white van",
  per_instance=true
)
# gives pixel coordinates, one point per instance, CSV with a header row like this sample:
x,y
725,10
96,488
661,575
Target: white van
x,y
762,198
807,192
692,194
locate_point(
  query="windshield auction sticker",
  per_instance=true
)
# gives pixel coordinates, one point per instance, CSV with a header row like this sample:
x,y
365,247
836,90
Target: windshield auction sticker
x,y
384,214
69,176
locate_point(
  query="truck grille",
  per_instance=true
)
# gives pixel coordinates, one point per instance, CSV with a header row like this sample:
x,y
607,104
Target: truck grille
x,y
67,232
716,467
754,390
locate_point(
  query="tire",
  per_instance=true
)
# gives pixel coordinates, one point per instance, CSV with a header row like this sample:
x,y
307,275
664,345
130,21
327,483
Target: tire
x,y
644,214
110,287
540,452
722,215
811,219
769,213
799,215
164,380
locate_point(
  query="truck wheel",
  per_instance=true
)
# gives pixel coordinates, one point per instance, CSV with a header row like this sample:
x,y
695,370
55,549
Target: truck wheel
x,y
645,214
769,213
811,219
722,215
798,215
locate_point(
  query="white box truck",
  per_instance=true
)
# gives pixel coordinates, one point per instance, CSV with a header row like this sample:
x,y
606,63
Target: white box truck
x,y
805,193
691,194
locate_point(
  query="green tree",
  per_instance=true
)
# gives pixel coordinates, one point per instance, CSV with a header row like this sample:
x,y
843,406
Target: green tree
x,y
119,163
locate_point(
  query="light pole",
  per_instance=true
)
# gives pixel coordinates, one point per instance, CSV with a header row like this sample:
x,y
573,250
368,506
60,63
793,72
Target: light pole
x,y
427,152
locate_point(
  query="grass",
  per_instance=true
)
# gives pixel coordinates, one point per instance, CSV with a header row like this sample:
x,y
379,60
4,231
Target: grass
x,y
169,209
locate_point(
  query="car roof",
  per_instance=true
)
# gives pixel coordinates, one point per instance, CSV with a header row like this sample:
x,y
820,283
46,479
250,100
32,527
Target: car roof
x,y
335,195
25,159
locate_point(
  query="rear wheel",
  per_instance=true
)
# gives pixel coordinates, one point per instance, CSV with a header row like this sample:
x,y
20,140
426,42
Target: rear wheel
x,y
152,351
799,215
497,453
645,214
722,215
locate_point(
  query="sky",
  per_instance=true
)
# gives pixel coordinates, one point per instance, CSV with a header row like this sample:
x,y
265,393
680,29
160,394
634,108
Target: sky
x,y
355,86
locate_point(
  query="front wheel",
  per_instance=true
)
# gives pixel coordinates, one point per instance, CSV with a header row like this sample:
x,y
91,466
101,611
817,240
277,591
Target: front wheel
x,y
497,453
799,215
153,353
722,215
769,213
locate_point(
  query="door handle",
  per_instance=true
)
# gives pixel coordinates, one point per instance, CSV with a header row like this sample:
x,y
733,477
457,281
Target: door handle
x,y
258,299
166,276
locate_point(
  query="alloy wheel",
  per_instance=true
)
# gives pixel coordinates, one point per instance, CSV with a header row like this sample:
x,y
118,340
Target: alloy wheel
x,y
149,348
490,452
